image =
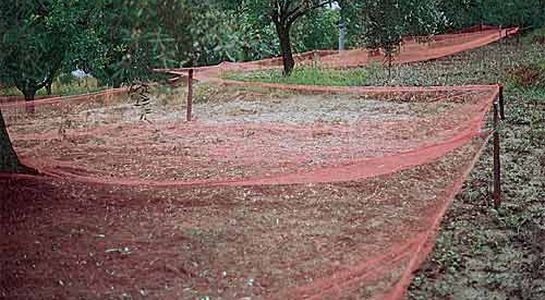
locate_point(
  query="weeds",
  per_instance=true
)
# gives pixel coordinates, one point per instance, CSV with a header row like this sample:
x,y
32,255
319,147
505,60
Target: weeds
x,y
501,250
536,36
528,75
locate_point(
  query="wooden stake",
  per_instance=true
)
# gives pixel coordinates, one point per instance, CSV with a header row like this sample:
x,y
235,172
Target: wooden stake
x,y
189,94
500,97
497,165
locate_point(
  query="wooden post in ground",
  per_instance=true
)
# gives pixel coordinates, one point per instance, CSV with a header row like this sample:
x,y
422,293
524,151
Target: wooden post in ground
x,y
501,102
497,163
189,95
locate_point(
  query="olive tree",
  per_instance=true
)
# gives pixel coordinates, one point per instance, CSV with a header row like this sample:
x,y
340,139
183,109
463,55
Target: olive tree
x,y
384,23
41,37
283,14
36,37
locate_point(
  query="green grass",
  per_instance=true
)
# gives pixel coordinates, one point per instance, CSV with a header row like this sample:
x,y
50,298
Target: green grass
x,y
308,75
59,88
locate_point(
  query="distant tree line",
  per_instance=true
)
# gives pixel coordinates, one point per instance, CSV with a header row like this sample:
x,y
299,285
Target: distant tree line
x,y
527,14
119,41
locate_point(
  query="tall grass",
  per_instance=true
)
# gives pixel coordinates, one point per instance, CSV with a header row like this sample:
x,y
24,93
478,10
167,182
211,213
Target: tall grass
x,y
308,75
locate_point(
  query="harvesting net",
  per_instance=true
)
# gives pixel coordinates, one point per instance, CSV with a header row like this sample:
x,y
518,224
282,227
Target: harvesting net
x,y
410,51
319,192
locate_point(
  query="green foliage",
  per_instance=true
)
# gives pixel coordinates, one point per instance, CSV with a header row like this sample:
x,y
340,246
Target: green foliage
x,y
350,14
118,41
258,38
423,18
122,41
220,35
318,29
536,36
386,22
283,14
252,37
228,33
36,39
383,24
149,34
494,12
308,75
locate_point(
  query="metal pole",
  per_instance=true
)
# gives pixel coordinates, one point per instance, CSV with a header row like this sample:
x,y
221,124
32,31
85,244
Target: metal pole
x,y
497,166
189,94
342,34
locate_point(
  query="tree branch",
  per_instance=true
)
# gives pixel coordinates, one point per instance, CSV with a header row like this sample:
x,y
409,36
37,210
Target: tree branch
x,y
42,84
300,11
275,12
294,11
285,7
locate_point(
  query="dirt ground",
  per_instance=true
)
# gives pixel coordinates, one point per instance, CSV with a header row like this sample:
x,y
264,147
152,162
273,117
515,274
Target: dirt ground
x,y
240,135
112,221
353,240
66,239
483,253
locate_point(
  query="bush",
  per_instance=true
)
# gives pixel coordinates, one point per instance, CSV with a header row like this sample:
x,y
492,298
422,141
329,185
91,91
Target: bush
x,y
529,75
537,36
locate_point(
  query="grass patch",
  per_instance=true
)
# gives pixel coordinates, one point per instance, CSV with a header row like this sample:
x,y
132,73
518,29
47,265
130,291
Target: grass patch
x,y
60,88
307,75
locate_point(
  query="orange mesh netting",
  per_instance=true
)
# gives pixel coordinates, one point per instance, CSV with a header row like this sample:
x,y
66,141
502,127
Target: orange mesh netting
x,y
411,51
320,193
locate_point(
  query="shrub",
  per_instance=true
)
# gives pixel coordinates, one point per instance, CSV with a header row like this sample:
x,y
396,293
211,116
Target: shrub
x,y
528,75
537,36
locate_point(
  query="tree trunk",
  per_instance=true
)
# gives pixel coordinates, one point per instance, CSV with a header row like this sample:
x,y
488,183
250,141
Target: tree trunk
x,y
109,78
8,158
285,47
48,88
28,88
389,57
29,94
116,83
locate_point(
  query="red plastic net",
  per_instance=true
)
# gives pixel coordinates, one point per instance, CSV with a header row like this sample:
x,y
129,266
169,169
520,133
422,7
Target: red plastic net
x,y
410,51
319,192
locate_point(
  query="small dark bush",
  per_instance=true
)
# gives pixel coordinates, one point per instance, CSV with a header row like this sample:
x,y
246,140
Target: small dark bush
x,y
530,75
537,36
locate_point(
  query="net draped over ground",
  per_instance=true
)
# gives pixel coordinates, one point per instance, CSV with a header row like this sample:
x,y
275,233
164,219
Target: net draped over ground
x,y
320,193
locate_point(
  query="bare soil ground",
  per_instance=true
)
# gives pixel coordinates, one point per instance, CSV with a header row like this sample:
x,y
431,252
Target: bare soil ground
x,y
239,135
64,239
67,238
482,253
